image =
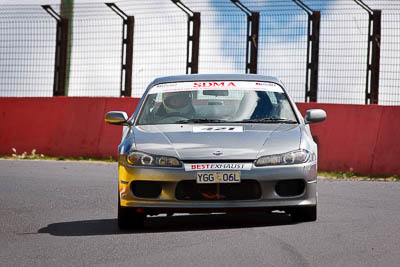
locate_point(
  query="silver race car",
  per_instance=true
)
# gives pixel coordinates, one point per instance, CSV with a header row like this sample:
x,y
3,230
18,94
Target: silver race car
x,y
216,143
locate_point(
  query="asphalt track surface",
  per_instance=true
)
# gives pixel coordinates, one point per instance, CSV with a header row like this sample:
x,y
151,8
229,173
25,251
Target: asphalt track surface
x,y
64,214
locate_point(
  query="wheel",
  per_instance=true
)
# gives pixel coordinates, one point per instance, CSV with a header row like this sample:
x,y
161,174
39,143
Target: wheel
x,y
304,214
128,218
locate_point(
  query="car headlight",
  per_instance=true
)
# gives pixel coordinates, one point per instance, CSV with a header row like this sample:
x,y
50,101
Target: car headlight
x,y
143,159
292,157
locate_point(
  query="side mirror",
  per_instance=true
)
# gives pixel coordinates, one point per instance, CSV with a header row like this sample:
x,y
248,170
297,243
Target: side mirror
x,y
315,115
117,118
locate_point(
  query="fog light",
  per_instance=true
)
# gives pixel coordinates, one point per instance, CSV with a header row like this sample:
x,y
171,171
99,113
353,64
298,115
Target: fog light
x,y
146,189
290,188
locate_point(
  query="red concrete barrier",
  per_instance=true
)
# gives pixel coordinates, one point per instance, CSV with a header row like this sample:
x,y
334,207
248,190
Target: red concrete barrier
x,y
358,138
386,157
67,126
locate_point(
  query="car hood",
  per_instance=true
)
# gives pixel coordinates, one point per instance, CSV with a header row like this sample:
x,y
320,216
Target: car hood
x,y
217,142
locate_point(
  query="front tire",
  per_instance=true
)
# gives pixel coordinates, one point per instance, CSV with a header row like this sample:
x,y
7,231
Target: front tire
x,y
304,214
128,218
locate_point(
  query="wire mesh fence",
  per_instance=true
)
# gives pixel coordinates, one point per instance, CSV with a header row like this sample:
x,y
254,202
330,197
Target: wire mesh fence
x,y
96,55
343,57
389,90
95,58
159,49
223,43
26,52
283,49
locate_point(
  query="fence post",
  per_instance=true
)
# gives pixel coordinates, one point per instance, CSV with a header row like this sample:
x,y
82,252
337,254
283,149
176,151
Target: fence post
x,y
60,66
253,22
193,63
253,42
314,18
193,38
313,64
373,57
127,50
376,55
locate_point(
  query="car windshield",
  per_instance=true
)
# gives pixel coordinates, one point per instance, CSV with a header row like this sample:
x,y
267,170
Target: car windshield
x,y
216,102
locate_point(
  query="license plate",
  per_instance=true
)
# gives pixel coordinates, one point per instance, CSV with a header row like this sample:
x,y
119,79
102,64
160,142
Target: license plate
x,y
217,177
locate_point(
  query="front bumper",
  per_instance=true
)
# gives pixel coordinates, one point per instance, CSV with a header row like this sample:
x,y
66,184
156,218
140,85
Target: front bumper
x,y
267,177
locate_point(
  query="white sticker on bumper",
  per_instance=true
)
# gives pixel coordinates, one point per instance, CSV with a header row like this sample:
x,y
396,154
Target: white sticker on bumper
x,y
218,166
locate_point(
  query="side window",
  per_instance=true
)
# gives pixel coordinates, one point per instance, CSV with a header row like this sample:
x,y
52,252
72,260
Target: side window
x,y
285,110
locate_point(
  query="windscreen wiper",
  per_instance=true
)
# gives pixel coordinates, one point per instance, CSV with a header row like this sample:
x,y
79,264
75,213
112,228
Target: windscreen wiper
x,y
268,120
200,121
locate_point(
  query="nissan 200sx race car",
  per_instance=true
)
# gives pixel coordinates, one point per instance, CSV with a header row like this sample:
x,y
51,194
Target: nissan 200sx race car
x,y
216,143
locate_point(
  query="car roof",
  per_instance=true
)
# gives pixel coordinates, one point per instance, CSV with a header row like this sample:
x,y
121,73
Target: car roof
x,y
214,77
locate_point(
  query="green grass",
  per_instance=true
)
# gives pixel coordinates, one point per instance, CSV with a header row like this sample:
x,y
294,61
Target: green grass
x,y
355,176
34,156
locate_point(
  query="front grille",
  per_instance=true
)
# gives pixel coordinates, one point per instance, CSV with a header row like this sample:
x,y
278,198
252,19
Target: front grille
x,y
245,190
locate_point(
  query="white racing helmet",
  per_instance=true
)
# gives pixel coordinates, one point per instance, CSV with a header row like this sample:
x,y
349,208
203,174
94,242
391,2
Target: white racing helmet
x,y
177,102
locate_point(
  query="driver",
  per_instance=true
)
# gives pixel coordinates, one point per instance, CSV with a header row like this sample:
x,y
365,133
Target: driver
x,y
176,104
